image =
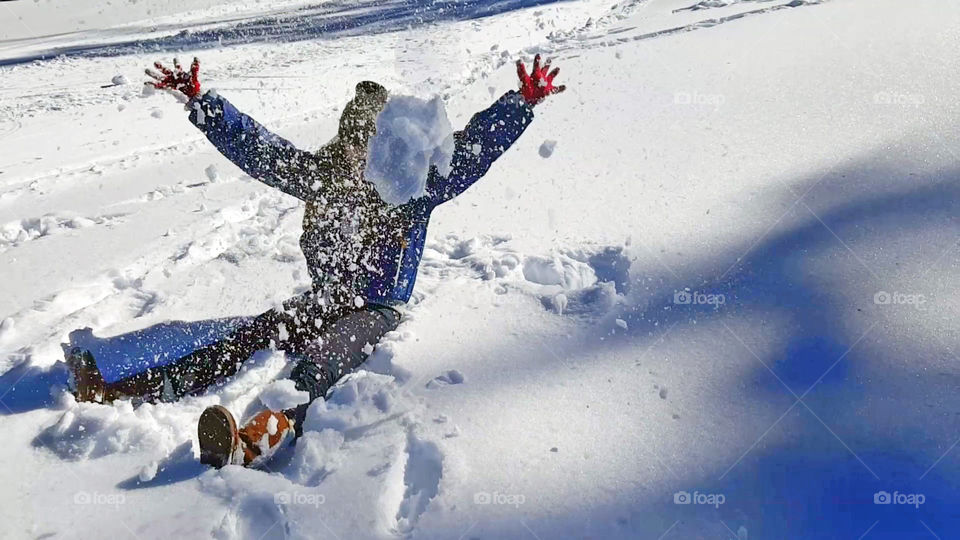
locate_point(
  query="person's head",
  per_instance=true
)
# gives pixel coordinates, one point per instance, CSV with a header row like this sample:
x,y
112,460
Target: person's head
x,y
358,122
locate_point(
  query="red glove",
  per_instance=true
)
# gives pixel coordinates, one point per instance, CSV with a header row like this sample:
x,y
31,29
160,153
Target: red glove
x,y
539,83
178,79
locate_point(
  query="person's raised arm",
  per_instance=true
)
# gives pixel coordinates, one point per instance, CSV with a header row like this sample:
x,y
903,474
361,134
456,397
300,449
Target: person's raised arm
x,y
492,131
263,155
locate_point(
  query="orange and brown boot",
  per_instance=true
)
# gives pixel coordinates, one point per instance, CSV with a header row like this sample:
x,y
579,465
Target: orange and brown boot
x,y
222,443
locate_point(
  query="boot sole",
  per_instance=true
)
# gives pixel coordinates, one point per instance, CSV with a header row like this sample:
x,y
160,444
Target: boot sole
x,y
217,431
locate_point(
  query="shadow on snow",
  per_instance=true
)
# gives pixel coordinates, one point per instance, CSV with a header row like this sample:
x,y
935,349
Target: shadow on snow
x,y
812,479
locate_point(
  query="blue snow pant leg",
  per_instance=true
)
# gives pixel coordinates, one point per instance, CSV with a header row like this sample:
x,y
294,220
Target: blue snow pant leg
x,y
331,343
344,345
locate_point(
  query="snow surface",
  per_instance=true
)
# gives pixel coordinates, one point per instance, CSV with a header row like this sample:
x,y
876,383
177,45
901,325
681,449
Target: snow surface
x,y
566,368
413,135
282,394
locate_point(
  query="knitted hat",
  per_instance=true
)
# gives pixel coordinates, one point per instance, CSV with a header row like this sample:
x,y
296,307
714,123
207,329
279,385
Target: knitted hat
x,y
359,118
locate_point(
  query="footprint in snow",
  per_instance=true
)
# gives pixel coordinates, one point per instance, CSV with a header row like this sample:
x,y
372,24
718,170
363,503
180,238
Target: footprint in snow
x,y
445,379
421,478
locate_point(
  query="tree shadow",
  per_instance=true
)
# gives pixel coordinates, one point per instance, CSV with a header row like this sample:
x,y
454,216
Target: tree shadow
x,y
874,418
779,493
843,445
849,445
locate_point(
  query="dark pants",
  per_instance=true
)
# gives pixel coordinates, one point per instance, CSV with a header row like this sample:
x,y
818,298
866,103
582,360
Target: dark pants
x,y
330,343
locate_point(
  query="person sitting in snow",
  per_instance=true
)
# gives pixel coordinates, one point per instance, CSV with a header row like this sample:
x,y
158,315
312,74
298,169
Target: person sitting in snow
x,y
362,254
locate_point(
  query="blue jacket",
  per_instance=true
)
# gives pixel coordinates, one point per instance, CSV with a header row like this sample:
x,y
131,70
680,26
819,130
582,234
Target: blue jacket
x,y
358,248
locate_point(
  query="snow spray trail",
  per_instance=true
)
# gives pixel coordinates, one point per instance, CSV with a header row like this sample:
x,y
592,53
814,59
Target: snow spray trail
x,y
326,20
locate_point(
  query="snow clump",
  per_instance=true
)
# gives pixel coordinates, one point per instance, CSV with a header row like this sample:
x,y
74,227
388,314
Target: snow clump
x,y
412,136
283,394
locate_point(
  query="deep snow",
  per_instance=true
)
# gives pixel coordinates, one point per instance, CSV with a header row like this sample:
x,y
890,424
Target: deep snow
x,y
731,283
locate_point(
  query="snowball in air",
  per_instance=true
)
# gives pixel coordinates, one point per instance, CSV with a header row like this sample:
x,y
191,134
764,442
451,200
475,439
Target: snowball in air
x,y
412,136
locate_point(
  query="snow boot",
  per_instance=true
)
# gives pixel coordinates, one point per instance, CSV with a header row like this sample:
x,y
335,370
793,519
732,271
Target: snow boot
x,y
85,380
221,443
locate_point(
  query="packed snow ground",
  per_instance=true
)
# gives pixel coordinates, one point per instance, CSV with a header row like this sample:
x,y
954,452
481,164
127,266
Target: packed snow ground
x,y
722,264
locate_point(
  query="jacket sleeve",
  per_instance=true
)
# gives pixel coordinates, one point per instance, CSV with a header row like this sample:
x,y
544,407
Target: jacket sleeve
x,y
263,155
487,136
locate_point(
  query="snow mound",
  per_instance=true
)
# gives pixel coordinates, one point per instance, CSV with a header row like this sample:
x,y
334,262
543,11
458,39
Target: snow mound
x,y
316,453
7,326
413,135
560,269
283,394
362,398
88,430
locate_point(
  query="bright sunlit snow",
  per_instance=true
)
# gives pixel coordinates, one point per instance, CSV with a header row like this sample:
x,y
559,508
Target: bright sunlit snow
x,y
709,293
